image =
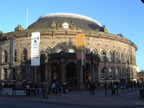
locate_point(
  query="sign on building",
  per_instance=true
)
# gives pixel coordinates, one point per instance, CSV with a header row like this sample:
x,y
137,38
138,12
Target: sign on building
x,y
35,49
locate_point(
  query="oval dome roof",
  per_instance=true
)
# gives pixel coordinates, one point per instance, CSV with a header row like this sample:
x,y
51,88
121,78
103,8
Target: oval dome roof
x,y
82,22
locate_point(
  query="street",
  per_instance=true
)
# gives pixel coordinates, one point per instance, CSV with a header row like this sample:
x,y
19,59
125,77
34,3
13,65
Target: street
x,y
75,100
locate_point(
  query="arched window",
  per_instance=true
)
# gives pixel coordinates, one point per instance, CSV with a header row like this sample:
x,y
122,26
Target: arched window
x,y
25,54
116,57
123,73
93,51
103,55
86,51
5,56
117,73
131,74
15,56
71,50
48,50
130,59
122,58
128,73
110,73
127,58
14,74
103,73
2,74
110,56
5,74
59,49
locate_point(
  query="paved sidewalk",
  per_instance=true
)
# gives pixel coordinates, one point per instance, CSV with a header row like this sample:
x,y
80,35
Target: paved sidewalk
x,y
124,100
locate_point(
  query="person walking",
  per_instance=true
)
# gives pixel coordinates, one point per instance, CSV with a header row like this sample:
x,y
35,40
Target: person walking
x,y
28,89
43,89
105,87
53,88
92,88
46,90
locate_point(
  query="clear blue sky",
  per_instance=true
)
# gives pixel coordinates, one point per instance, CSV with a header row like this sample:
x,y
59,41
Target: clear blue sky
x,y
119,16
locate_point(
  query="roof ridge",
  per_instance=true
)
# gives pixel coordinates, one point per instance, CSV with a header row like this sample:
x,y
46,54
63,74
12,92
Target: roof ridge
x,y
70,15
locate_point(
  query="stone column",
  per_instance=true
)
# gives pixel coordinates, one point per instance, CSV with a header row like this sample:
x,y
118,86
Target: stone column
x,y
49,73
93,72
46,72
79,74
63,73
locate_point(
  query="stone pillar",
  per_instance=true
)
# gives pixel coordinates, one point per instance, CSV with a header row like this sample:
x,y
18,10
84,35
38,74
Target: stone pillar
x,y
93,72
80,74
49,73
63,73
46,72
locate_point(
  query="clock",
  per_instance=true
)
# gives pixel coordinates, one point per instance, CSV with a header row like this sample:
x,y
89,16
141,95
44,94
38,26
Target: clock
x,y
65,25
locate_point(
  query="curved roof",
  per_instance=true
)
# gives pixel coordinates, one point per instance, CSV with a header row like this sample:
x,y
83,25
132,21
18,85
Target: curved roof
x,y
83,22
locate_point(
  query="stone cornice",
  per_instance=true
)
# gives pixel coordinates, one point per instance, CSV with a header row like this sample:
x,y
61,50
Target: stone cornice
x,y
51,32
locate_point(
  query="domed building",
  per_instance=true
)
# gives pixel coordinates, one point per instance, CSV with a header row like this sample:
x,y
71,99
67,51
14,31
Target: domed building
x,y
108,57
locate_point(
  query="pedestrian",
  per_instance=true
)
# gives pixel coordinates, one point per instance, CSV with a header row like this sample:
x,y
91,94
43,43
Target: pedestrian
x,y
113,88
28,89
53,87
92,88
105,86
117,87
46,90
43,90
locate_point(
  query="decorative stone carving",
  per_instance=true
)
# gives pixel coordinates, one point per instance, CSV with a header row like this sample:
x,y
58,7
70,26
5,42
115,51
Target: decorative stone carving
x,y
53,25
65,25
103,29
19,28
58,26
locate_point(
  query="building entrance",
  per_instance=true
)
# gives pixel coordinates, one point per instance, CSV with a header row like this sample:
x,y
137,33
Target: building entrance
x,y
71,74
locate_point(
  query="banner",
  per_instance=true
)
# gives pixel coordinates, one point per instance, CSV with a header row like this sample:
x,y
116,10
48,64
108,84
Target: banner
x,y
80,41
80,47
7,91
35,49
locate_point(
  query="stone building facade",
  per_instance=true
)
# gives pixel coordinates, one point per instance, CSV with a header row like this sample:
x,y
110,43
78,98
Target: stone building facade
x,y
109,57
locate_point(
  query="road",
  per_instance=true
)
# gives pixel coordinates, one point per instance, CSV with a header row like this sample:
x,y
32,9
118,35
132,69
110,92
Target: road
x,y
75,100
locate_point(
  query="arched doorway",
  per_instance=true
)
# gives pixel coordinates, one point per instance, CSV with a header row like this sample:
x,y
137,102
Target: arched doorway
x,y
71,74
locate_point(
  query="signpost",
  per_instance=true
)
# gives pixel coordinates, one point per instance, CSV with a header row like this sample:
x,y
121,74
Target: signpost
x,y
35,52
